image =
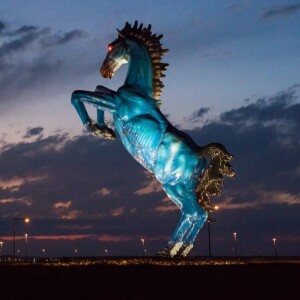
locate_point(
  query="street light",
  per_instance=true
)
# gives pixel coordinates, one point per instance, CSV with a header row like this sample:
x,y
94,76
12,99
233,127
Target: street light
x,y
234,238
26,243
210,220
143,245
274,244
26,220
1,246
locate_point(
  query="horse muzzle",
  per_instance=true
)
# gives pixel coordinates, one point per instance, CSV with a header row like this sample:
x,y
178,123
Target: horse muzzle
x,y
108,68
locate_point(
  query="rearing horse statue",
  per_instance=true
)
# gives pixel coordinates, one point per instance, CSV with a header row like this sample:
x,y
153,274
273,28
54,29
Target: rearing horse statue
x,y
190,175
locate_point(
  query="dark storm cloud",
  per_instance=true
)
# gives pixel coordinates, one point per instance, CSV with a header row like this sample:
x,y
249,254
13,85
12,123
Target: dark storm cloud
x,y
282,11
33,132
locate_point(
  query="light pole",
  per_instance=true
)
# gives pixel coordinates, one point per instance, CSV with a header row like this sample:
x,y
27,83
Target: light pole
x,y
143,245
26,244
1,246
44,252
234,238
210,220
26,220
274,244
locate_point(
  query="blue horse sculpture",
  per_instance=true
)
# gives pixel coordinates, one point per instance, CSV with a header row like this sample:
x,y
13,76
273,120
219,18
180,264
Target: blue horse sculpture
x,y
190,175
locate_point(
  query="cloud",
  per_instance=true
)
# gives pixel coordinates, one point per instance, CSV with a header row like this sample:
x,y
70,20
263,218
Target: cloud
x,y
62,38
150,188
117,211
2,26
32,57
277,110
24,29
103,192
33,132
199,114
166,207
15,183
281,11
59,205
25,36
19,40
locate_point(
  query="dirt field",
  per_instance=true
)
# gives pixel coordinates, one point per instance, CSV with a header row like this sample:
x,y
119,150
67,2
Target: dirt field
x,y
151,278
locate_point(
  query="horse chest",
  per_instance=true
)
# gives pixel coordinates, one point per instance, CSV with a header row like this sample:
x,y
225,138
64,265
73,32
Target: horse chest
x,y
141,136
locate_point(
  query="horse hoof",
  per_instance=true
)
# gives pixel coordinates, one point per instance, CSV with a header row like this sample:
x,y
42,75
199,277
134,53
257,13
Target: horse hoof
x,y
165,252
184,250
170,250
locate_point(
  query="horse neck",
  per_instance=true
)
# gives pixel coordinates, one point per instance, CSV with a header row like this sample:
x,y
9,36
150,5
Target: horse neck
x,y
139,75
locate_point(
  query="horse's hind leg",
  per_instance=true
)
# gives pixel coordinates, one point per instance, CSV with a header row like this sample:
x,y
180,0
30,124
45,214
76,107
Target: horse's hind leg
x,y
191,235
192,219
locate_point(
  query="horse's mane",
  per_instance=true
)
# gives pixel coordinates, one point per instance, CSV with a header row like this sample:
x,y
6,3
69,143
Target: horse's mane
x,y
152,43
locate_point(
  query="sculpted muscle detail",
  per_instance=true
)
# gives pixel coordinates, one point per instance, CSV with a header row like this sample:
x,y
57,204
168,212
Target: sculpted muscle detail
x,y
142,136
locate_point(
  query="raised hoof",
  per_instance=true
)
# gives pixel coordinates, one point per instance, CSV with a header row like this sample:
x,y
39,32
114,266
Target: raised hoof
x,y
102,130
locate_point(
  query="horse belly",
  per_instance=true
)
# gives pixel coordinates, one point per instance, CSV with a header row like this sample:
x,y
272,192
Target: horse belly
x,y
178,162
142,136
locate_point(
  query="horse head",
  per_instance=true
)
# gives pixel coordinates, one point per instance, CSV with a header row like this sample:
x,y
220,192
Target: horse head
x,y
121,52
115,58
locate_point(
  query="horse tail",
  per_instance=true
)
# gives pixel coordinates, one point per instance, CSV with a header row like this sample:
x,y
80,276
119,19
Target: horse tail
x,y
211,181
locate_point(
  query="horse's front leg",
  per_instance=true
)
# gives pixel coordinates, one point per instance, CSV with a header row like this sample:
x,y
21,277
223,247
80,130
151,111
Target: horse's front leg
x,y
102,99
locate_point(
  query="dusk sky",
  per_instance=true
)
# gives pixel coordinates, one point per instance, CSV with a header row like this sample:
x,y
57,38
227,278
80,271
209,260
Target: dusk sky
x,y
234,78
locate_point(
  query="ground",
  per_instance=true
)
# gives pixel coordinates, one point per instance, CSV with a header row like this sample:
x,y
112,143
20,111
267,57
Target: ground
x,y
151,278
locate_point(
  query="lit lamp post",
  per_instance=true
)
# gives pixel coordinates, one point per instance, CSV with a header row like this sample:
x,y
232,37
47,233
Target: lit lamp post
x,y
1,246
210,220
26,220
26,244
234,238
274,244
143,245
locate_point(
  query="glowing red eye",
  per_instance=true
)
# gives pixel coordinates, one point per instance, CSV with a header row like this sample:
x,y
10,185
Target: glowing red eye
x,y
110,48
